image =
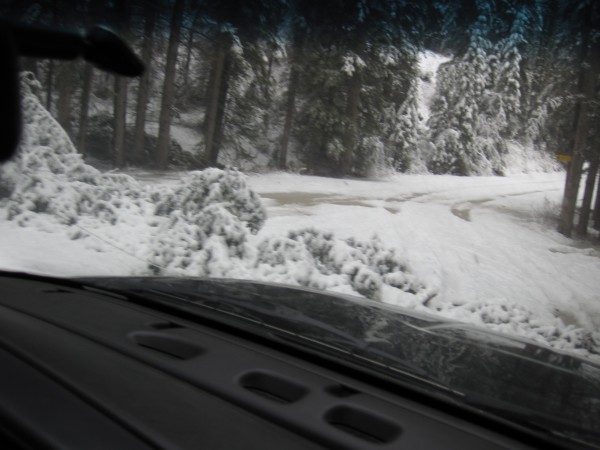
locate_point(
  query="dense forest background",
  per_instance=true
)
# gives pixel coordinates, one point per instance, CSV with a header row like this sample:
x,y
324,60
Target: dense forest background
x,y
330,87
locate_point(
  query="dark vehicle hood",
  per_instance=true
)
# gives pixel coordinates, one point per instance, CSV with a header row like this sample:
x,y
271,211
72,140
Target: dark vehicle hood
x,y
481,366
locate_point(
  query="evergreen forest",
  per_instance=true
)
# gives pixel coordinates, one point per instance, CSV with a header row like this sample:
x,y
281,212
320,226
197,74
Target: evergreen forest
x,y
332,87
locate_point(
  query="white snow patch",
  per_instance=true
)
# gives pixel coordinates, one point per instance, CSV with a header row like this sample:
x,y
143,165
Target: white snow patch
x,y
429,63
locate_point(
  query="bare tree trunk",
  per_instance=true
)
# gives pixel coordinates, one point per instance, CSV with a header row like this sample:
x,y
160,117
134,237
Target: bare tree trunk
x,y
351,135
290,112
596,215
164,124
143,90
587,85
188,59
574,171
590,184
86,90
215,97
221,112
120,121
120,97
65,86
267,93
49,84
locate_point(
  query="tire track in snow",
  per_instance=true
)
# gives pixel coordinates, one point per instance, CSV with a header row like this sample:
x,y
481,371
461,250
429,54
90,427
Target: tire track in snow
x,y
463,209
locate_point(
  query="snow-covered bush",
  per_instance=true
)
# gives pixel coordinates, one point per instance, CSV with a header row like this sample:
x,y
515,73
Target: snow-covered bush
x,y
49,176
213,186
515,319
317,259
208,218
212,244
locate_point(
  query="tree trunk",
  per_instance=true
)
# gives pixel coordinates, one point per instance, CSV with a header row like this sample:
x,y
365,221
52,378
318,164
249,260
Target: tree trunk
x,y
596,215
143,90
120,121
590,184
587,85
221,112
267,95
188,59
217,86
290,112
86,90
573,179
351,134
120,94
65,86
164,122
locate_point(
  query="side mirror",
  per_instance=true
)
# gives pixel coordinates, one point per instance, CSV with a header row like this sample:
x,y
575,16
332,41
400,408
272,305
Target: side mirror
x,y
100,46
107,51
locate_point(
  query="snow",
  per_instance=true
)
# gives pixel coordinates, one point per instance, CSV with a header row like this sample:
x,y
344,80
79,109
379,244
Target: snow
x,y
186,136
352,63
482,250
486,245
429,62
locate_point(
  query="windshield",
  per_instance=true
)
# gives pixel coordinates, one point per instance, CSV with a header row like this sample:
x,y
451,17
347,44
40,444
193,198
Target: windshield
x,y
436,157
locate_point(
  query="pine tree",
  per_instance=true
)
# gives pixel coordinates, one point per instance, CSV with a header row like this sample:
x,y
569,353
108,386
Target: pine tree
x,y
479,97
456,116
119,96
359,66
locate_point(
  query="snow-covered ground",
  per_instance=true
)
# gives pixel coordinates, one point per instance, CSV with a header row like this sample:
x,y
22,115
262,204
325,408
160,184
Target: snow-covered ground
x,y
480,240
483,250
485,246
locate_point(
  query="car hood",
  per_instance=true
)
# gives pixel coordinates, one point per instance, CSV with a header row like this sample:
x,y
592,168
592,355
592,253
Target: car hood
x,y
480,365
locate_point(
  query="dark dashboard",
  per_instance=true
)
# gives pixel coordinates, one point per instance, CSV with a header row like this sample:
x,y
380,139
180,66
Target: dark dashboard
x,y
86,369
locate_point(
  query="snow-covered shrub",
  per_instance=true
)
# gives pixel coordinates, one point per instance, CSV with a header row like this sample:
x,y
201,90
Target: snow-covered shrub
x,y
512,318
209,216
214,186
317,259
49,176
211,244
